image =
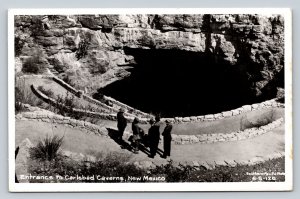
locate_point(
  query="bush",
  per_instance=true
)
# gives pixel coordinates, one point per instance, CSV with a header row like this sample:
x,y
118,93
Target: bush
x,y
47,92
65,105
23,95
37,27
81,51
59,67
147,40
18,100
173,173
112,165
47,149
54,18
35,64
19,43
118,164
68,80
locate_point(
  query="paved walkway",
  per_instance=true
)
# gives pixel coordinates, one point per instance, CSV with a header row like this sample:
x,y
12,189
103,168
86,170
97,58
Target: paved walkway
x,y
77,140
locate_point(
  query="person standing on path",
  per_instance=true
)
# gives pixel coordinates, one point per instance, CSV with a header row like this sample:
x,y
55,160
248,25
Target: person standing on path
x,y
137,131
167,139
122,123
153,137
155,131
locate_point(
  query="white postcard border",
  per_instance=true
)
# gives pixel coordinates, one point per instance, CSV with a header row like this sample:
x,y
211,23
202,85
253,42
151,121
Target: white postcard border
x,y
128,187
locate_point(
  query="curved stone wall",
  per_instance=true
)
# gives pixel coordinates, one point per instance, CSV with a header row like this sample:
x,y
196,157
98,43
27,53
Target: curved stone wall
x,y
107,116
77,93
146,117
211,117
37,114
131,110
50,117
128,108
226,137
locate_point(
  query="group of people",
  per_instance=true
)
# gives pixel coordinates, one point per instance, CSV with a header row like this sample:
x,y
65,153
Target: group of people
x,y
151,139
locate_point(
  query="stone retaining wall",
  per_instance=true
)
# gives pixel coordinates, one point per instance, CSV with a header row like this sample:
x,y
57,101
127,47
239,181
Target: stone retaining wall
x,y
106,116
226,137
50,117
66,86
35,76
128,108
211,117
78,93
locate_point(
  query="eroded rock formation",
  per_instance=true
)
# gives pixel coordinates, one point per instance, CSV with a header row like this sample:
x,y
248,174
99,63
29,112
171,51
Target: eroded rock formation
x,y
89,49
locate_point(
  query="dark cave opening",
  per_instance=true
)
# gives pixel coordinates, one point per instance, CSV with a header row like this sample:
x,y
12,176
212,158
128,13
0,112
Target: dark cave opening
x,y
181,83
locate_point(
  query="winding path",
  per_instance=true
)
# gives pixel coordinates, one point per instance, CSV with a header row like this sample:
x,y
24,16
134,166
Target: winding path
x,y
78,141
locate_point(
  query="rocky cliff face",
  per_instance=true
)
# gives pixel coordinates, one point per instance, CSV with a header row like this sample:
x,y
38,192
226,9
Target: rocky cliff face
x,y
89,49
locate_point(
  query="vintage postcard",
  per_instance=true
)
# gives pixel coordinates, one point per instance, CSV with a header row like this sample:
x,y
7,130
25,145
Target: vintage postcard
x,y
150,100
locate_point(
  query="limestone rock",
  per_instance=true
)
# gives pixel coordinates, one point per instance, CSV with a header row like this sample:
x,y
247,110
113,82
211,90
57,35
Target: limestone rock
x,y
227,114
22,159
221,35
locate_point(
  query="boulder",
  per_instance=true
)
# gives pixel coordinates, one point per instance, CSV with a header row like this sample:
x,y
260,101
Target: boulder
x,y
227,114
22,160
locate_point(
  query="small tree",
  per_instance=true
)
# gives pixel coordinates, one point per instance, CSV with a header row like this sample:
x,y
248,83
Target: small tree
x,y
19,43
81,51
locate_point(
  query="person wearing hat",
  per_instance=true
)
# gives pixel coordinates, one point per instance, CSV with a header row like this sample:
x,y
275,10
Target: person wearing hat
x,y
122,123
153,138
137,131
167,139
155,134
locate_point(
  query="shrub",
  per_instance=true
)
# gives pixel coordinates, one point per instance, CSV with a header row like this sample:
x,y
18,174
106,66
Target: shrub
x,y
101,98
65,105
23,95
113,164
147,40
68,80
18,100
47,92
173,173
118,164
19,43
81,51
59,67
36,63
54,18
47,149
37,27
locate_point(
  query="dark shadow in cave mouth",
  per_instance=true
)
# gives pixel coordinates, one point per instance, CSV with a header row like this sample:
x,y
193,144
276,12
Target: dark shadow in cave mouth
x,y
181,83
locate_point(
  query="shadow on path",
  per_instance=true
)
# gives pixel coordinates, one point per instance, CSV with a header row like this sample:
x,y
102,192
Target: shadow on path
x,y
113,134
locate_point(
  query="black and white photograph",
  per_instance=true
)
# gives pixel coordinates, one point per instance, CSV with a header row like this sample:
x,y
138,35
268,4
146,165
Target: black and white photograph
x,y
150,100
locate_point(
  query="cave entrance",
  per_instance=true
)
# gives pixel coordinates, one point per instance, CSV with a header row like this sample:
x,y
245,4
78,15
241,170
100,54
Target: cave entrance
x,y
181,83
